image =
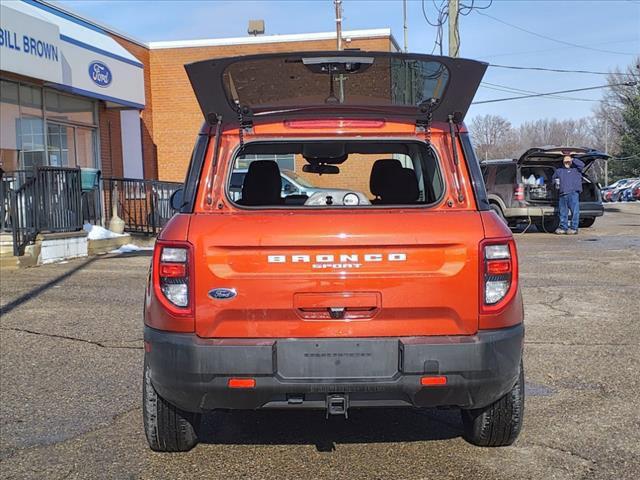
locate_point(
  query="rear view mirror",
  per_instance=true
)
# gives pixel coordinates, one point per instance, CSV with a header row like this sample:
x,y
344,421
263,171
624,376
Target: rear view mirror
x,y
177,199
320,169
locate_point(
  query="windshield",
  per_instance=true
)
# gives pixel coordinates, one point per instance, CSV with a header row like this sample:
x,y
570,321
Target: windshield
x,y
298,179
301,82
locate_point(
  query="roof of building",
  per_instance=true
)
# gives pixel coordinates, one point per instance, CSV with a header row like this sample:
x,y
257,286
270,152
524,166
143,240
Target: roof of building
x,y
95,25
347,35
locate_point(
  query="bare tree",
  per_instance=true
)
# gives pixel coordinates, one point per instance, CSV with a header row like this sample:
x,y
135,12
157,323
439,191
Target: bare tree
x,y
493,137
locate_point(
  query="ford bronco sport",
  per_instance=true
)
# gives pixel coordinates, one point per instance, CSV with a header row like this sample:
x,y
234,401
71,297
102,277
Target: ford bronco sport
x,y
400,291
521,190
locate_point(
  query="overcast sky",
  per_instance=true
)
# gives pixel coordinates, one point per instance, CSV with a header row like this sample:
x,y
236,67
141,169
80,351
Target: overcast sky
x,y
608,31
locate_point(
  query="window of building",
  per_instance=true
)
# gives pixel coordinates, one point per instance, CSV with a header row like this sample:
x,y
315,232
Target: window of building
x,y
285,161
62,134
22,131
67,108
9,125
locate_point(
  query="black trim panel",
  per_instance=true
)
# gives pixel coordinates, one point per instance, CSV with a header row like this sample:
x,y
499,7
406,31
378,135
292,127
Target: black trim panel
x,y
193,372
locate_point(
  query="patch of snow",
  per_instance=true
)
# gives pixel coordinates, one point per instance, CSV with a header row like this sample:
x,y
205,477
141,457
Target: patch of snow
x,y
96,232
129,248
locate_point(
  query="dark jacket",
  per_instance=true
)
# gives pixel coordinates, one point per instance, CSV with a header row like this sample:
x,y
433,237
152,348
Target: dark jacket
x,y
570,178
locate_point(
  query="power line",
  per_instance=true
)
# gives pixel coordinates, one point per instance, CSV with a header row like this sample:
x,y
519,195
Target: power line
x,y
554,49
543,69
550,38
628,84
508,89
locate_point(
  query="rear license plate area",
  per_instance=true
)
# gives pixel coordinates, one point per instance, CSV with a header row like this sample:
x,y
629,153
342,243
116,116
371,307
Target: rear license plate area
x,y
337,359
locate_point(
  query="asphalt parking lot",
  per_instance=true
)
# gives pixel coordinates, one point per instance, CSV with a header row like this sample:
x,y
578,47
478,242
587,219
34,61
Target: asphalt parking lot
x,y
71,358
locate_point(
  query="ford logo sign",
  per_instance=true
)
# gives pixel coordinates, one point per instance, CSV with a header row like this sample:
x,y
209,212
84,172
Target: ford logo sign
x,y
222,293
100,74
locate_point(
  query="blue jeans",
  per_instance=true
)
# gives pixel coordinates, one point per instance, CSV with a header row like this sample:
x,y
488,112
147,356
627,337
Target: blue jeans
x,y
569,201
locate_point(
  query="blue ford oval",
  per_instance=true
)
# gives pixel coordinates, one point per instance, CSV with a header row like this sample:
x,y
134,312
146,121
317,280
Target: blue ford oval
x,y
222,293
100,74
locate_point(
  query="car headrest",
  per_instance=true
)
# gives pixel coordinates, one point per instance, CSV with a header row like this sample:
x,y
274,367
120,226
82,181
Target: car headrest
x,y
262,184
380,172
401,187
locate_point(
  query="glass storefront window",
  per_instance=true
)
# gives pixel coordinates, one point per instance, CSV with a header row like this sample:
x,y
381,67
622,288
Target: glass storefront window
x,y
70,140
69,109
30,101
9,125
61,145
31,142
86,147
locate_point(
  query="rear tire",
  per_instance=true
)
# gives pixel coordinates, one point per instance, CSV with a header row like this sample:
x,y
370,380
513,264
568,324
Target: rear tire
x,y
168,428
498,424
587,222
548,224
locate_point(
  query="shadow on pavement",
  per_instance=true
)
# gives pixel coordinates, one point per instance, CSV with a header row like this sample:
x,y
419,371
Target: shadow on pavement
x,y
312,428
34,292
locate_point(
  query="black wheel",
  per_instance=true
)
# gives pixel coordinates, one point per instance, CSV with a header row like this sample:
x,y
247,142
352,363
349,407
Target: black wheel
x,y
587,222
168,428
548,224
498,424
496,208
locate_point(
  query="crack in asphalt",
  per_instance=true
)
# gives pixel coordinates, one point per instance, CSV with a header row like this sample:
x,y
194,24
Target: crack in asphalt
x,y
566,451
551,304
74,339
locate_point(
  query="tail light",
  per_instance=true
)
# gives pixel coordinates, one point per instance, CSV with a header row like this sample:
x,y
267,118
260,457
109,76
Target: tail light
x,y
498,274
173,276
518,193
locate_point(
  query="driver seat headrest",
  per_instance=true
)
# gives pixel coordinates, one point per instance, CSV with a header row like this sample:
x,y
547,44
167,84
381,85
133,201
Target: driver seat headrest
x,y
380,173
262,184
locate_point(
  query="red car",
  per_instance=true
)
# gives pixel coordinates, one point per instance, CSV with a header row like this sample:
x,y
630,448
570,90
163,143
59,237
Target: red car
x,y
397,286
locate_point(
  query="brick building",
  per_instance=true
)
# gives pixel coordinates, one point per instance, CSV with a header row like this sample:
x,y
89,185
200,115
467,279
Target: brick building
x,y
146,128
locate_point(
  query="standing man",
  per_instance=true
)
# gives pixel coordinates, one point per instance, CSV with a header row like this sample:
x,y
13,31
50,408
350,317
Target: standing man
x,y
568,181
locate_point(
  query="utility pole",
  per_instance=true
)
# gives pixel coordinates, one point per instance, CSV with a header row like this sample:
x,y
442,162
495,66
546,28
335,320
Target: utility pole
x,y
404,17
338,5
454,35
606,150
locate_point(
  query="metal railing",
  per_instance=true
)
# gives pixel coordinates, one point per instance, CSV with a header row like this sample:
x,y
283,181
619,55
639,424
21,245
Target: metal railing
x,y
51,199
144,205
45,199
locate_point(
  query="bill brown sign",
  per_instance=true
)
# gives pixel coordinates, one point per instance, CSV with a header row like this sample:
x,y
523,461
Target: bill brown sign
x,y
37,48
29,46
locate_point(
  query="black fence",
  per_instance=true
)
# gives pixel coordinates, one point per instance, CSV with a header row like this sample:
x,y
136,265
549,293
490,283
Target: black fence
x,y
143,205
45,199
52,199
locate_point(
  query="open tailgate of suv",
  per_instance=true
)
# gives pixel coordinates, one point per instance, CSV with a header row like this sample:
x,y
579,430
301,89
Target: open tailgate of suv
x,y
284,85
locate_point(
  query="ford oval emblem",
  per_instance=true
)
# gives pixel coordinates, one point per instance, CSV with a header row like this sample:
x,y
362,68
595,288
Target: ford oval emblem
x,y
222,293
100,74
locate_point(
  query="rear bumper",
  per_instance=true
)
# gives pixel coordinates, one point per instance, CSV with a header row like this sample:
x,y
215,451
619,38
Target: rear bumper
x,y
587,209
192,372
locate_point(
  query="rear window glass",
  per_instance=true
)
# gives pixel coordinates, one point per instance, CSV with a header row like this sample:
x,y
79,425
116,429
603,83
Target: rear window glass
x,y
298,82
335,174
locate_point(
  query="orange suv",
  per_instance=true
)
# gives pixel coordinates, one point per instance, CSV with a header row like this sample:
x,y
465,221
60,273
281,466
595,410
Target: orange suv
x,y
390,283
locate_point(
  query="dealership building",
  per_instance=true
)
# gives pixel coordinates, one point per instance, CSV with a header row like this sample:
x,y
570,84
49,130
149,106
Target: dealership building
x,y
76,92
